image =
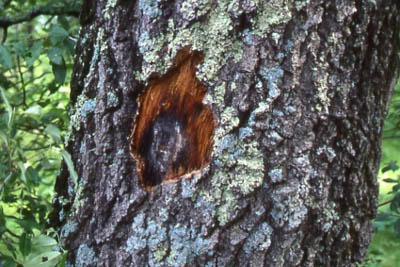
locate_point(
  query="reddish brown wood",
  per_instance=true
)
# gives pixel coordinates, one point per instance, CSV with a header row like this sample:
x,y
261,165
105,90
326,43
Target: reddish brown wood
x,y
178,92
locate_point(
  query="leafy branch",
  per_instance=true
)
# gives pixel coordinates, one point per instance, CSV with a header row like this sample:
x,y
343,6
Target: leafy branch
x,y
68,9
52,10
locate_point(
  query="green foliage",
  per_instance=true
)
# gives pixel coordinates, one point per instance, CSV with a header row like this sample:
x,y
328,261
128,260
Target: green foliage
x,y
384,250
35,63
385,245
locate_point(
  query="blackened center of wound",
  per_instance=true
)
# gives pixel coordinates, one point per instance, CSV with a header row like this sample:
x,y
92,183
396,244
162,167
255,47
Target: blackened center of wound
x,y
164,147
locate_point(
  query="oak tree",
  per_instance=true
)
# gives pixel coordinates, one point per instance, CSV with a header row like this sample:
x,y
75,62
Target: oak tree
x,y
226,133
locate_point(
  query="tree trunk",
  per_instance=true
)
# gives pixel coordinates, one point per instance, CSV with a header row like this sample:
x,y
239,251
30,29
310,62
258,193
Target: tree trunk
x,y
226,133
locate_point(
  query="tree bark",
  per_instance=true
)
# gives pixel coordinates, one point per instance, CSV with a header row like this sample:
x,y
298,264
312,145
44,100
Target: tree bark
x,y
294,94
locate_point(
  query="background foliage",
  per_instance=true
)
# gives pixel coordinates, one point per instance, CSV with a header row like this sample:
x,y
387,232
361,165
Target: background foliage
x,y
37,39
36,56
385,246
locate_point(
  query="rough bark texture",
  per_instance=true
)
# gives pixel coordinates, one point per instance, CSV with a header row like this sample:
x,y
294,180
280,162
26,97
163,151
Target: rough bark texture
x,y
299,91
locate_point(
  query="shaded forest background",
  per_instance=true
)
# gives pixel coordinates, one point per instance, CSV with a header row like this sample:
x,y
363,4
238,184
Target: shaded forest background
x,y
37,40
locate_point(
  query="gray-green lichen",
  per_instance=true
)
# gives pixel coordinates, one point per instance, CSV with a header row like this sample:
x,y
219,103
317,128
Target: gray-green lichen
x,y
109,5
241,170
236,151
213,39
270,13
96,56
159,240
289,209
69,227
259,240
85,256
112,100
77,192
83,107
150,8
329,218
240,154
276,175
193,9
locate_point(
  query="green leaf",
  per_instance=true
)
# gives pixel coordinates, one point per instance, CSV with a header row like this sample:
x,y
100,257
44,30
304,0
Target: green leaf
x,y
8,107
43,243
390,180
20,48
54,133
5,57
27,225
3,137
57,34
53,114
60,72
25,244
46,259
392,166
63,261
70,165
63,21
396,188
23,171
383,217
396,227
35,50
32,175
7,261
34,110
395,204
55,55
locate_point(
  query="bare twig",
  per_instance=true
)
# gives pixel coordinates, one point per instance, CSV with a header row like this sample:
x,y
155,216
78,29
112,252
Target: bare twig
x,y
385,203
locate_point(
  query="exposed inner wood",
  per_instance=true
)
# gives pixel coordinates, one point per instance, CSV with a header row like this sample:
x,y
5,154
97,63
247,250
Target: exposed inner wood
x,y
172,133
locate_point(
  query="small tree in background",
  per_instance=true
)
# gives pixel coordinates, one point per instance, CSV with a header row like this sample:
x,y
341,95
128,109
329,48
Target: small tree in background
x,y
37,45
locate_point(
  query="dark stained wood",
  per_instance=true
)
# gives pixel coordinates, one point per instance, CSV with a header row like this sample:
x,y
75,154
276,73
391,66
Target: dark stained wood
x,y
177,95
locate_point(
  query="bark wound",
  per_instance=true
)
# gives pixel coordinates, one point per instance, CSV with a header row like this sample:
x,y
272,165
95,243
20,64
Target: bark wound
x,y
172,133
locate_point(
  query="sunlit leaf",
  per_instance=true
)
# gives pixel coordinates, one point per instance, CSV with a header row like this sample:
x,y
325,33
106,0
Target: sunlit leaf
x,y
43,243
34,110
54,133
8,106
23,171
70,165
46,259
